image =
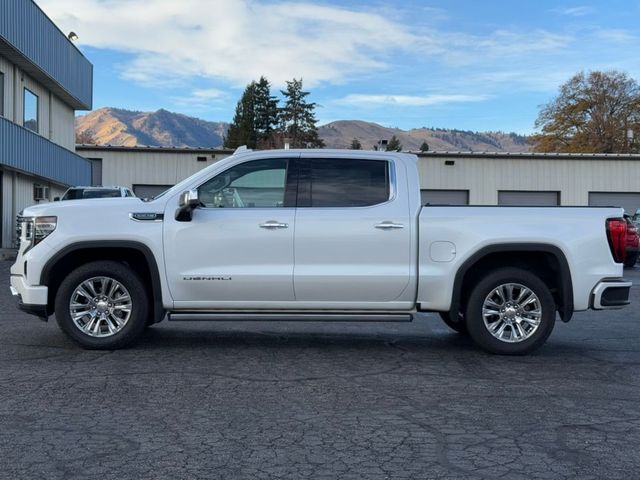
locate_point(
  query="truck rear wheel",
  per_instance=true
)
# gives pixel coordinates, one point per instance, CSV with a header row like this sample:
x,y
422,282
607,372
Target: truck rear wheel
x,y
510,312
102,305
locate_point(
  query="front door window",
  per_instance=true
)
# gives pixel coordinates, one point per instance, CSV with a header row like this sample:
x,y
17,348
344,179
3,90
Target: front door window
x,y
257,184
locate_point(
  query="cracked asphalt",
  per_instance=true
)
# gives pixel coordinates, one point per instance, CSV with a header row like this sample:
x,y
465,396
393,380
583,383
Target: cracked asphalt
x,y
343,401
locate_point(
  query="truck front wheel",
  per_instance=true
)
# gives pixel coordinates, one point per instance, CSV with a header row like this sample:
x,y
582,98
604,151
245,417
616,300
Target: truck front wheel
x,y
510,312
102,305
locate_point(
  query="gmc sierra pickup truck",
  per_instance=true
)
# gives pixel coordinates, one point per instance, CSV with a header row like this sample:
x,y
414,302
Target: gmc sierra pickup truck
x,y
315,235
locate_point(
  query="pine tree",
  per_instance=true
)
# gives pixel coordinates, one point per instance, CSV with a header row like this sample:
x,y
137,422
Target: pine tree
x,y
394,145
242,129
266,114
297,117
424,147
355,144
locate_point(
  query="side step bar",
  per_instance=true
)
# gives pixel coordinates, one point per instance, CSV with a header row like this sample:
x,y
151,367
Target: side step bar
x,y
286,317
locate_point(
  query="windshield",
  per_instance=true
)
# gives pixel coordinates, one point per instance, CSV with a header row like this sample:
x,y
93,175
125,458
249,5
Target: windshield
x,y
80,193
160,194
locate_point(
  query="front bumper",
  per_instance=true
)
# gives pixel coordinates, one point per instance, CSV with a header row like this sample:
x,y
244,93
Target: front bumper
x,y
610,294
31,299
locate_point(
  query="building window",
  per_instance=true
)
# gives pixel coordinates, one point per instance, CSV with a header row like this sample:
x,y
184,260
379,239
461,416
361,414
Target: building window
x,y
1,94
524,198
630,201
201,159
444,197
30,117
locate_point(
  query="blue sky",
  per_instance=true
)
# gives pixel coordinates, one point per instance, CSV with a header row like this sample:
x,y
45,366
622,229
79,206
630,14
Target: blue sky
x,y
472,65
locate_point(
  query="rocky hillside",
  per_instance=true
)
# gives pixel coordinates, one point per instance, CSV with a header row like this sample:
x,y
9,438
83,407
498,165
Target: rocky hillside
x,y
340,135
115,126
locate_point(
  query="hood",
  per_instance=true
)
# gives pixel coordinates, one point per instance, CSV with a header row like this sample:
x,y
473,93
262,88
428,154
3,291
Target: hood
x,y
96,204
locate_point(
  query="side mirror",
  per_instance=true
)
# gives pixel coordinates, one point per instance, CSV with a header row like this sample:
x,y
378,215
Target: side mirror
x,y
188,202
56,199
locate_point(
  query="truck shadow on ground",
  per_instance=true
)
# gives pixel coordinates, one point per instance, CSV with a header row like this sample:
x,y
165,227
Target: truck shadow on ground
x,y
184,337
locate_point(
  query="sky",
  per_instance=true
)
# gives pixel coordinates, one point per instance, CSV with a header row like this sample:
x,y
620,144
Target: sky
x,y
467,64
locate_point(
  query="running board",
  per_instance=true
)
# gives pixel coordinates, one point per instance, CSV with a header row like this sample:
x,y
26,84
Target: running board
x,y
286,317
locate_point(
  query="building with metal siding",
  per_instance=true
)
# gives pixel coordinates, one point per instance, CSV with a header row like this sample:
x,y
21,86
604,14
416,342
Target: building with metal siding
x,y
455,178
533,178
147,170
23,151
44,78
42,51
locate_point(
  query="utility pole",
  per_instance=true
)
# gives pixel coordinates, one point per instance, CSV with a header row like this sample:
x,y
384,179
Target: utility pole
x,y
628,136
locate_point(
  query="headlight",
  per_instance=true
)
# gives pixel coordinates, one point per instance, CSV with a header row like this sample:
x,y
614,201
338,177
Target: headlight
x,y
36,229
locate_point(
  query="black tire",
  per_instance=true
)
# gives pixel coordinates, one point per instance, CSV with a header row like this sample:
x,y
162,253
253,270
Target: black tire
x,y
139,305
460,326
480,333
632,258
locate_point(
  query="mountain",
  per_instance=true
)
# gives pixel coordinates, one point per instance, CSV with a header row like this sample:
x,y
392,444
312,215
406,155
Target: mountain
x,y
341,133
116,126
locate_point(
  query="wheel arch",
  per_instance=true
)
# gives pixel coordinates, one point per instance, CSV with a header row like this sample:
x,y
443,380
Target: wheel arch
x,y
543,259
136,254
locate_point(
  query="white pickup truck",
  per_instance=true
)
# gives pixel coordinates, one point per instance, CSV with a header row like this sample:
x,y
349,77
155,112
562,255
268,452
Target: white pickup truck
x,y
315,235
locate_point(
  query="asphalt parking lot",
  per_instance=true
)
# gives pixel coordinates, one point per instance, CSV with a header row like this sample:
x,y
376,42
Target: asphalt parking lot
x,y
251,400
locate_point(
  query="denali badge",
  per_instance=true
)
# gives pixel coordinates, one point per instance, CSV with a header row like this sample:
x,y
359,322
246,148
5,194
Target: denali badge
x,y
146,216
205,277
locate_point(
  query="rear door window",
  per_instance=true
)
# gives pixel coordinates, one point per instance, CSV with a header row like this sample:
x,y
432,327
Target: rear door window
x,y
349,182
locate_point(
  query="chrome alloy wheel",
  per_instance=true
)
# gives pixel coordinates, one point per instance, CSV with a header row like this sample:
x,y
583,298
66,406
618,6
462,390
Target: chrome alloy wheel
x,y
512,312
100,307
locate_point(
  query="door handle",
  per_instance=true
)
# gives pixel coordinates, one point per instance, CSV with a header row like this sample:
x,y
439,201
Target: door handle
x,y
273,224
389,225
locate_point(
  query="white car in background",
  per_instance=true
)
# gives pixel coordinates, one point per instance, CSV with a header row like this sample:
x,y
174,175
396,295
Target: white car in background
x,y
81,192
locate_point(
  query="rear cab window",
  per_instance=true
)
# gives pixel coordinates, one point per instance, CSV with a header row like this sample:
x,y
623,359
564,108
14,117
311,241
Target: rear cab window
x,y
347,183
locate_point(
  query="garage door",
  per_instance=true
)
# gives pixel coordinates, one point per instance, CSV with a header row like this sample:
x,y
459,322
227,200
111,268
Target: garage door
x,y
149,191
525,198
445,197
629,201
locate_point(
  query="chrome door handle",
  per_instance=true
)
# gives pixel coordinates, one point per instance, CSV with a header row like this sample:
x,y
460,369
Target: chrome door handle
x,y
389,225
274,224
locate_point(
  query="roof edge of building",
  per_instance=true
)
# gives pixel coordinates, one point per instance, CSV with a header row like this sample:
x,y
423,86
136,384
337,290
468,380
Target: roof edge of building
x,y
433,153
144,148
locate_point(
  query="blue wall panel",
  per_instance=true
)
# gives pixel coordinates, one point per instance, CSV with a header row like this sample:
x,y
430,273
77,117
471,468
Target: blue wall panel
x,y
27,29
24,150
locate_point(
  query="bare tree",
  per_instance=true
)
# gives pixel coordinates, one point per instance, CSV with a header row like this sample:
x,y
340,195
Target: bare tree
x,y
593,113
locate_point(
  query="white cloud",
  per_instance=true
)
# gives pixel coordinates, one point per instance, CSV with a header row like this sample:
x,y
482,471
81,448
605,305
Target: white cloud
x,y
236,41
202,100
362,100
459,49
578,11
615,35
227,43
233,40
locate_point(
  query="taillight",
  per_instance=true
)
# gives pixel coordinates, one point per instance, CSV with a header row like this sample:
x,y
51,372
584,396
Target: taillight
x,y
617,236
